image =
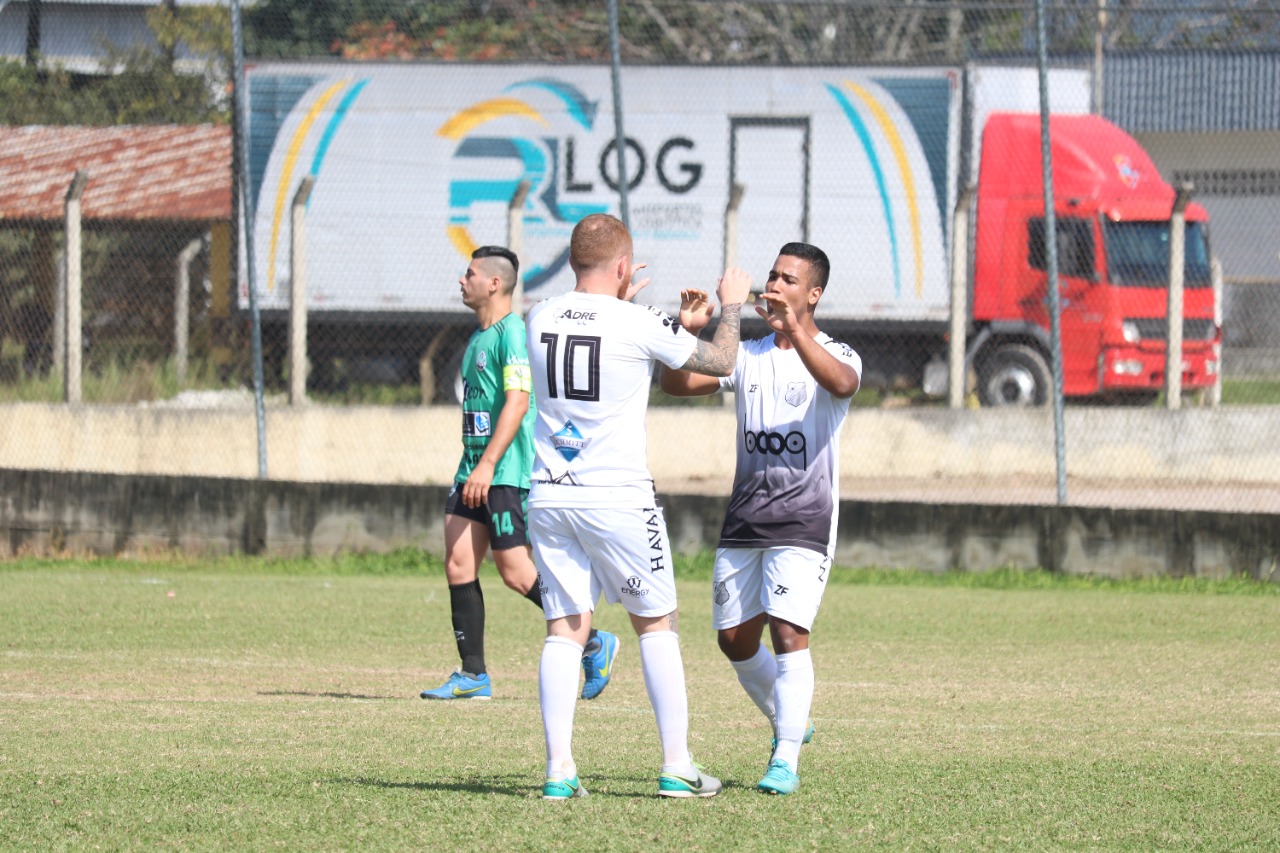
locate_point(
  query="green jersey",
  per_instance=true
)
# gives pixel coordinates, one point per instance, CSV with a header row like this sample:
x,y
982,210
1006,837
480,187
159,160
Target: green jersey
x,y
496,361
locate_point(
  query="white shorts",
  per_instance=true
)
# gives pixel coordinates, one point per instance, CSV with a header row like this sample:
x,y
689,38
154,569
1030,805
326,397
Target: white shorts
x,y
784,582
622,552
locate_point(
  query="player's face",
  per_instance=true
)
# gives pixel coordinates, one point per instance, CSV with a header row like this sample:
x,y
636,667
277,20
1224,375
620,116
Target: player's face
x,y
475,285
789,278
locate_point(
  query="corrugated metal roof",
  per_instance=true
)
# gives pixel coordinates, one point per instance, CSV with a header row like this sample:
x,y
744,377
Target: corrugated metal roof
x,y
146,173
1179,91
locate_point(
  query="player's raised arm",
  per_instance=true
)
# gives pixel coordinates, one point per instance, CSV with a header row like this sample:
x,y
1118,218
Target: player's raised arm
x,y
716,356
695,312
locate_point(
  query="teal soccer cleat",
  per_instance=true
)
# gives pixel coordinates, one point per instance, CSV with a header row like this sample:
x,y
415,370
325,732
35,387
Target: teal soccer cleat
x,y
598,664
563,789
779,779
462,686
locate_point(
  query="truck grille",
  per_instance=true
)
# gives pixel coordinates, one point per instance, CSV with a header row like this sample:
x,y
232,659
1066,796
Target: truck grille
x,y
1193,329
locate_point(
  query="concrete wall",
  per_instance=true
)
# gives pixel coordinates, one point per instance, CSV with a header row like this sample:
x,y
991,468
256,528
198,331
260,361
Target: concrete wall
x,y
43,512
691,449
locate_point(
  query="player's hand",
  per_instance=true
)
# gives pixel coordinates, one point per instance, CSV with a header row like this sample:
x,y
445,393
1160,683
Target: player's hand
x,y
695,309
633,287
475,492
734,287
777,313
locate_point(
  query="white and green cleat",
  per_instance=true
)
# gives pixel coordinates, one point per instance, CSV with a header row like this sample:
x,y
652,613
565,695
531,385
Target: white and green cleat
x,y
678,785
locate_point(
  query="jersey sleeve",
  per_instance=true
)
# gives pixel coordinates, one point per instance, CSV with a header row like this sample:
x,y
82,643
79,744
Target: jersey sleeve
x,y
516,375
844,353
664,338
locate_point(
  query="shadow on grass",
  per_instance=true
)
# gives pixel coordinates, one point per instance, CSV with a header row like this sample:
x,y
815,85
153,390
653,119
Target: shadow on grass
x,y
625,787
329,695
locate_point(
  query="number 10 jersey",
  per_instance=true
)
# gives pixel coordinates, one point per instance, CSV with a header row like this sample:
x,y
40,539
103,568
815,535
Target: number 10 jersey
x,y
592,362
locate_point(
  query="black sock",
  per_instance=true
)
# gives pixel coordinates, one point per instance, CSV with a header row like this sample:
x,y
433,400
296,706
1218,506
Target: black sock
x,y
467,602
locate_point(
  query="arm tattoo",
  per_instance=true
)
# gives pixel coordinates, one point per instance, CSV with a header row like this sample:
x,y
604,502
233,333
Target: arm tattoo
x,y
716,357
671,620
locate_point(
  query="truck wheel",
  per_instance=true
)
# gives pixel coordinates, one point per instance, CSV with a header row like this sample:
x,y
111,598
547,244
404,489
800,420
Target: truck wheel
x,y
1013,375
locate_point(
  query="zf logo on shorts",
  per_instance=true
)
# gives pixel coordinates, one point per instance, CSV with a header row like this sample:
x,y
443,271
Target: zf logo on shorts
x,y
635,588
476,424
776,444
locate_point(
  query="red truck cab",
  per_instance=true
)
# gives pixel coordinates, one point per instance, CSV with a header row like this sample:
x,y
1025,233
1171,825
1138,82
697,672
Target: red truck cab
x,y
1113,211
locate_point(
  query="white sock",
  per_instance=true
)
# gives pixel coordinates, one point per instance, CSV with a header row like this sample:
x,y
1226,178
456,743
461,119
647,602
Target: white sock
x,y
663,667
757,675
793,696
558,696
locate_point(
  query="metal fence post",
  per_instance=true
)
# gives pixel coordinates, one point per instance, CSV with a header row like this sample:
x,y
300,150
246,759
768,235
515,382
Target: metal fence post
x,y
182,308
731,211
72,260
959,299
1177,271
298,293
515,239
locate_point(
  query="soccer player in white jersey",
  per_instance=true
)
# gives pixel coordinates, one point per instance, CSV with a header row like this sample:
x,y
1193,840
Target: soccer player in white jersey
x,y
594,520
792,390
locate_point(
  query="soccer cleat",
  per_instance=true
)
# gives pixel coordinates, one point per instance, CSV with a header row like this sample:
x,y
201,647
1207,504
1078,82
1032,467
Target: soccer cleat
x,y
808,736
779,779
563,789
462,686
598,664
699,785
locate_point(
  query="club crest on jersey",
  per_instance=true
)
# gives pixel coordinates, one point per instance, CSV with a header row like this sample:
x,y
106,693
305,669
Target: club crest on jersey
x,y
568,441
482,361
796,393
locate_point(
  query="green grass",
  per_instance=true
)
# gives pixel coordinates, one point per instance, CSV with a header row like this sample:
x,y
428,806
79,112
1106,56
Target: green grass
x,y
1254,391
244,704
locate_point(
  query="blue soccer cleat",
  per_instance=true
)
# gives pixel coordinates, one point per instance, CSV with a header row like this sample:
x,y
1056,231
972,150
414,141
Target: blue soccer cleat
x,y
779,779
462,686
563,789
598,664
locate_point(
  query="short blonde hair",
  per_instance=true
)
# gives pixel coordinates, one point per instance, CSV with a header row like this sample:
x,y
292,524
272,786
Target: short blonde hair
x,y
598,240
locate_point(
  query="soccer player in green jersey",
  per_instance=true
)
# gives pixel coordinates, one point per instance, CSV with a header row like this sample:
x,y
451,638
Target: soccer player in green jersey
x,y
486,509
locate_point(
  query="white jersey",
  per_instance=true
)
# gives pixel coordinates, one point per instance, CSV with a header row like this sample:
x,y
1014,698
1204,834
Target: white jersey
x,y
592,361
786,487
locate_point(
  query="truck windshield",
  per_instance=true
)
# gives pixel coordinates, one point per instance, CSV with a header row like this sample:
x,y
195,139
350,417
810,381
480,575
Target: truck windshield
x,y
1138,254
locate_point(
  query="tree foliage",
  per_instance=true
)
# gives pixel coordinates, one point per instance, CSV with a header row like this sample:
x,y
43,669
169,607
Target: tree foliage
x,y
137,85
740,31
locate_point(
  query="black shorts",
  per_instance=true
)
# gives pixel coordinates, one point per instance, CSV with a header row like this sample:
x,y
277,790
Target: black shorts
x,y
504,514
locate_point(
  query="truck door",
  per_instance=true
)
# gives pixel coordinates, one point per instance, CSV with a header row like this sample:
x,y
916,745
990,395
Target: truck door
x,y
770,159
1077,276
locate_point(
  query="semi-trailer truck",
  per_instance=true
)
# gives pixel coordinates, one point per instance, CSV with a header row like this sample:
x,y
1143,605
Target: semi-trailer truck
x,y
416,165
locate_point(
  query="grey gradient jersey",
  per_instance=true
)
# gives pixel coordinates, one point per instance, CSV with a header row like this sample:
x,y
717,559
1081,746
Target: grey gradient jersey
x,y
786,484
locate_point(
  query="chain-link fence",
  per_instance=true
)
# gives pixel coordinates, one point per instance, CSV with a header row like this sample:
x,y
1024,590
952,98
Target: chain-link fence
x,y
387,138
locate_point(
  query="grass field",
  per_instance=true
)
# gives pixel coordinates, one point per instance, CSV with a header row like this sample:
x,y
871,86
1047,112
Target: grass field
x,y
248,705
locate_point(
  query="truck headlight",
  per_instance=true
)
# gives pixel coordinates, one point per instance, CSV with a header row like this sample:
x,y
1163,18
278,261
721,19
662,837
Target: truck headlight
x,y
1129,330
1127,367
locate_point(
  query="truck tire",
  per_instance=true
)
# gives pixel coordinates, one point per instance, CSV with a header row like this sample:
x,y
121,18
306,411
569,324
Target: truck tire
x,y
1013,375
